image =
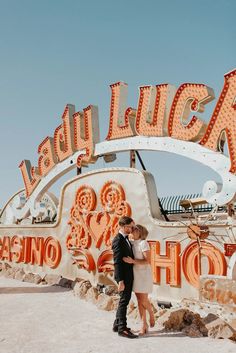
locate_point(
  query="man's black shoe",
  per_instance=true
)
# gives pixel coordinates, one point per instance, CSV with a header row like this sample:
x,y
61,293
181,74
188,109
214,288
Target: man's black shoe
x,y
115,328
127,334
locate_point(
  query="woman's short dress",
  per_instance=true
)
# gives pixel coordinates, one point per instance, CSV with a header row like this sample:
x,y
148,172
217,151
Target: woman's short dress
x,y
143,282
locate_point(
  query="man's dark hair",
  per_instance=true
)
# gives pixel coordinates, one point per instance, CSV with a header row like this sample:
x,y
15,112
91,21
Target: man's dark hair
x,y
125,221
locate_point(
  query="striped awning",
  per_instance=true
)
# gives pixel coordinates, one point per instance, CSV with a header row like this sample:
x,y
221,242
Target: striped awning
x,y
171,204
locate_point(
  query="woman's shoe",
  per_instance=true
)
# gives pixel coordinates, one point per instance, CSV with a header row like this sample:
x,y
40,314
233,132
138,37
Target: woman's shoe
x,y
143,330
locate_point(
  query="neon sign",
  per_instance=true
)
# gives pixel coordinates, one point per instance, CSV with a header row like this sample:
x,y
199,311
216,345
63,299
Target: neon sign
x,y
162,111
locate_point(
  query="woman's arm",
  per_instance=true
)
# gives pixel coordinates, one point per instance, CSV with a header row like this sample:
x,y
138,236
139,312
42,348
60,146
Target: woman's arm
x,y
145,261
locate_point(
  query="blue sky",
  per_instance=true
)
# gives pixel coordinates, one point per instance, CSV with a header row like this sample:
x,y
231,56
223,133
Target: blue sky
x,y
66,51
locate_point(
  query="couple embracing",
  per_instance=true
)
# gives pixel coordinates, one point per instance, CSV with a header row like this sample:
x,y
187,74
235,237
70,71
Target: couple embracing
x,y
131,254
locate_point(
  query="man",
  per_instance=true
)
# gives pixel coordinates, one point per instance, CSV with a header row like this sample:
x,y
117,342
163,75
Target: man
x,y
123,275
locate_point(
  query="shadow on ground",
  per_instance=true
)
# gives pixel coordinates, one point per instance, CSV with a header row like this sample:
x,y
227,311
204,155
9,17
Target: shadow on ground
x,y
163,333
25,290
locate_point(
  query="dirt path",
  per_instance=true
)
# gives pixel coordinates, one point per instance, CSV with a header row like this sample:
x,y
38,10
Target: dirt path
x,y
44,319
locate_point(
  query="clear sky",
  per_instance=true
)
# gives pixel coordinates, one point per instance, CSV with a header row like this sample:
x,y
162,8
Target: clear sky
x,y
66,51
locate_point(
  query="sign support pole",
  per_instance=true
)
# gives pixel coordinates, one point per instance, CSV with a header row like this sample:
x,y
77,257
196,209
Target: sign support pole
x,y
132,159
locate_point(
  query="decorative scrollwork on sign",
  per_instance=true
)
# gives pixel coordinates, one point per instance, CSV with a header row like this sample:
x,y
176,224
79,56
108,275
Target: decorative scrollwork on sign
x,y
123,209
76,238
111,195
85,202
98,226
105,261
86,199
84,259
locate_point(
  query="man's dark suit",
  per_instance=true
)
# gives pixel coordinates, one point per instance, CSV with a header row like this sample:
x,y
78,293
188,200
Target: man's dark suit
x,y
123,272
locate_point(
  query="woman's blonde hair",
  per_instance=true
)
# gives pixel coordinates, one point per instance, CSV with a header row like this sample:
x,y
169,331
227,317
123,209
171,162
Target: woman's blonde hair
x,y
142,231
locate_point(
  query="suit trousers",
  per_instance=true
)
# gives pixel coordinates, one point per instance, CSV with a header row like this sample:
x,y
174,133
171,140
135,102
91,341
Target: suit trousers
x,y
121,320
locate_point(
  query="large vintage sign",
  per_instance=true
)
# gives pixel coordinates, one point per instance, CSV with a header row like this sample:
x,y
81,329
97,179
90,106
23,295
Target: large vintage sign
x,y
79,242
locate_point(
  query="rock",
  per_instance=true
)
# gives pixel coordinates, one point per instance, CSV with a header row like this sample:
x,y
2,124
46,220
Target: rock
x,y
173,319
115,301
92,295
111,290
221,329
209,318
76,289
159,313
15,270
155,306
65,282
5,268
77,280
52,279
192,331
76,285
233,337
104,302
131,307
37,279
134,314
20,274
10,273
185,303
100,287
81,288
184,320
28,277
232,323
196,323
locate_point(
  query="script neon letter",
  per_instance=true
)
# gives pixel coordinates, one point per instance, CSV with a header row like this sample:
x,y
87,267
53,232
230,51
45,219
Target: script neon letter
x,y
223,120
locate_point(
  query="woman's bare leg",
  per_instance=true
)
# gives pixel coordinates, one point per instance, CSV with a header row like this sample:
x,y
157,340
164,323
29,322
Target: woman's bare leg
x,y
140,307
143,313
148,306
150,311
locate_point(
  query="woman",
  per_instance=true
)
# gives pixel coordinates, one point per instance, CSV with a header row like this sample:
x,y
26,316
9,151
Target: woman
x,y
143,283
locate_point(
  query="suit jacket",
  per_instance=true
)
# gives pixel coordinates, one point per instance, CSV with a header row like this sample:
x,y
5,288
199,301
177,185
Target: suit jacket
x,y
120,247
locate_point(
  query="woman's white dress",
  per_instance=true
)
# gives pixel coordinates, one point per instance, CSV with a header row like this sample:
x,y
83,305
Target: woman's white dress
x,y
143,282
